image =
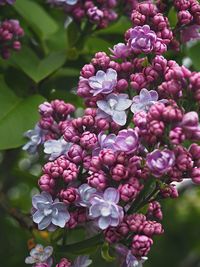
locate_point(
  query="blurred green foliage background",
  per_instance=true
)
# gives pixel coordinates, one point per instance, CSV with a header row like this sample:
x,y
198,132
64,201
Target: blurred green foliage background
x,y
48,67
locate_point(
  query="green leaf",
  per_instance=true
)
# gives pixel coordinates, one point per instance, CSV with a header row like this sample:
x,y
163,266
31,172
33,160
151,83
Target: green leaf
x,y
73,33
82,246
95,44
35,68
172,16
193,53
36,17
17,115
105,253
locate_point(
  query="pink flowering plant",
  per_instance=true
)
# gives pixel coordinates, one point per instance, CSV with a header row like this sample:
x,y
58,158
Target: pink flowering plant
x,y
123,138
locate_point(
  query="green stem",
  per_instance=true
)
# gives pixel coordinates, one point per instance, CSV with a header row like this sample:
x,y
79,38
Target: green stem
x,y
91,242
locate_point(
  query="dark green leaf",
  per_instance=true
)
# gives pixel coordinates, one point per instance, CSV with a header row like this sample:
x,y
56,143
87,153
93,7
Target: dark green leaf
x,y
37,18
35,68
17,115
193,53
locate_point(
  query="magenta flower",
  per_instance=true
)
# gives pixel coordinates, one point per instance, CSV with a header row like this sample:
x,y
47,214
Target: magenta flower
x,y
104,141
49,213
103,82
114,107
120,51
127,141
160,161
142,39
145,100
104,208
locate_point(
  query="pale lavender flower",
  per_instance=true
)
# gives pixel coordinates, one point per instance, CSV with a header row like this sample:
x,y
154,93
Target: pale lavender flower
x,y
120,51
190,33
104,208
48,213
160,161
114,107
56,148
4,2
104,141
132,261
82,261
40,254
142,39
103,82
36,136
85,192
59,2
127,141
145,100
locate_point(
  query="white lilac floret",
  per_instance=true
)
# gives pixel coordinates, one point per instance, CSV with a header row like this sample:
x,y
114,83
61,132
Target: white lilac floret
x,y
56,148
47,213
145,100
114,106
104,208
36,137
85,192
40,254
82,261
103,82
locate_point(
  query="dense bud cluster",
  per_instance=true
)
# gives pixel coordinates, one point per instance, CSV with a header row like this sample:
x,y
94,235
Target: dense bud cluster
x,y
10,34
131,138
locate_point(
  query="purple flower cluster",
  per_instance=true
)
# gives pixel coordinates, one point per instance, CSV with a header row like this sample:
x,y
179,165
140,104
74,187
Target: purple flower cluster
x,y
132,133
100,13
10,34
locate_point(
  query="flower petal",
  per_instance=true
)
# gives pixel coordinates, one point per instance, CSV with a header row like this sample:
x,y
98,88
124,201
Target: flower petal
x,y
111,194
104,222
119,117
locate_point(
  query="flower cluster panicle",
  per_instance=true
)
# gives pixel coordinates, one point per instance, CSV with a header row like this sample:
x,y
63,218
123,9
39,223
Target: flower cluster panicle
x,y
10,34
137,133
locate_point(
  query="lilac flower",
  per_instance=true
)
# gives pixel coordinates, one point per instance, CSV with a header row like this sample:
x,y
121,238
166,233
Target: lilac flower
x,y
67,2
145,100
142,39
56,148
127,141
4,2
39,254
104,141
160,161
85,191
36,136
120,51
114,106
104,208
49,213
190,33
82,261
103,82
132,261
